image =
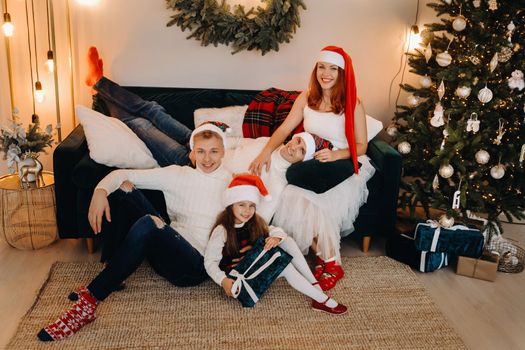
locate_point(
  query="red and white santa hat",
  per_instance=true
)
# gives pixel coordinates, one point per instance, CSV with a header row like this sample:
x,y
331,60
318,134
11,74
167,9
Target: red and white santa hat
x,y
245,187
217,127
310,144
338,56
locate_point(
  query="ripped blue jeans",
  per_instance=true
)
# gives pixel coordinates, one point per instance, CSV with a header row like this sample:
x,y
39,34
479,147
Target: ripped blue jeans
x,y
168,253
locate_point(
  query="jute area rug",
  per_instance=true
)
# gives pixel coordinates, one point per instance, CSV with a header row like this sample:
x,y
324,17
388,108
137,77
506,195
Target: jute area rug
x,y
388,309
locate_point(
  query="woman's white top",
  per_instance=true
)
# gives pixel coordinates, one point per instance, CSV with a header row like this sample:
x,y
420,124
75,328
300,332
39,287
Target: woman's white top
x,y
328,125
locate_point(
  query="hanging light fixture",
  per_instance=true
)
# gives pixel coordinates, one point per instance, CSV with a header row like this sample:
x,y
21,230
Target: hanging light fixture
x,y
8,27
50,63
40,95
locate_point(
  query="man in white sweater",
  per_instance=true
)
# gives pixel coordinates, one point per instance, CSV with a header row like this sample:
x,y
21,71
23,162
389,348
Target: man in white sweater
x,y
175,251
241,152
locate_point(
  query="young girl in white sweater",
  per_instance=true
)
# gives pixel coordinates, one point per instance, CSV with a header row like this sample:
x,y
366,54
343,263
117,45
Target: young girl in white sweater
x,y
236,230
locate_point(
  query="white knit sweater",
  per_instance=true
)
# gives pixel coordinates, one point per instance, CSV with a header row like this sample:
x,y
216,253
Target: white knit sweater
x,y
193,198
213,254
237,160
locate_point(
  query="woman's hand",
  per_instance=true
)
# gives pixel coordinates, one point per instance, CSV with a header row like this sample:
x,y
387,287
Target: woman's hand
x,y
227,284
259,163
98,207
271,242
326,155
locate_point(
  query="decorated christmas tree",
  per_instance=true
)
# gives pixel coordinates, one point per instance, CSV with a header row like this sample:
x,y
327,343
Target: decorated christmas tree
x,y
462,130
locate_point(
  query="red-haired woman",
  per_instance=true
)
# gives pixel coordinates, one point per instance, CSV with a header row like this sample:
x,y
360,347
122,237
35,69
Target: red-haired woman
x,y
330,109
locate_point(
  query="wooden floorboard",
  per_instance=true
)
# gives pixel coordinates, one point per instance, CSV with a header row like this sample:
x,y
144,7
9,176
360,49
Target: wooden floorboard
x,y
487,315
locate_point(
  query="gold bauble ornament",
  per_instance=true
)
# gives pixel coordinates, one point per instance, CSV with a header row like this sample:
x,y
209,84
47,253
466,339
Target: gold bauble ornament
x,y
446,221
446,171
459,24
443,59
425,82
463,91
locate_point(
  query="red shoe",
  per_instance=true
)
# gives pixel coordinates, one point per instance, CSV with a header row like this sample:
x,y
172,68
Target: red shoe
x,y
333,272
319,267
338,310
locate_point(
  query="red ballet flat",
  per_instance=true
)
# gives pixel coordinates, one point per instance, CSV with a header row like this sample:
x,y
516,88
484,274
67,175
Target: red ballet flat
x,y
338,310
333,272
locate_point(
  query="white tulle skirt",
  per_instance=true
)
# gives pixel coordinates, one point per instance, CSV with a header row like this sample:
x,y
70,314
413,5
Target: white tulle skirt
x,y
305,214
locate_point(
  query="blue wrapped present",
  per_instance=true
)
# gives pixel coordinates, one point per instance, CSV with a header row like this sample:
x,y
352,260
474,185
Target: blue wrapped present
x,y
457,240
257,271
403,249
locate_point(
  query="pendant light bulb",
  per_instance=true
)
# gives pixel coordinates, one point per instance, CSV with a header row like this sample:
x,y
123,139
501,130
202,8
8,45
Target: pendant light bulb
x,y
50,63
40,96
8,27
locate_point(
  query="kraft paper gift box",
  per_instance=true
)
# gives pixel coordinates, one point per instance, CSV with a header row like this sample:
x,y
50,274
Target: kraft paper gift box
x,y
456,240
484,268
257,271
403,249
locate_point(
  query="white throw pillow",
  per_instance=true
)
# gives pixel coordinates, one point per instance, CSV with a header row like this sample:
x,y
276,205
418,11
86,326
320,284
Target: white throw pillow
x,y
373,127
232,115
112,143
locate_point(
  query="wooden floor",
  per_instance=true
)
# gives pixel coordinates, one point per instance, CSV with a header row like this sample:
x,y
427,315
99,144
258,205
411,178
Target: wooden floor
x,y
487,315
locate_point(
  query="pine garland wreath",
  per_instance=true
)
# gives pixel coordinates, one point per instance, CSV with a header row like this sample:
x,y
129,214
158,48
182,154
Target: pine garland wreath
x,y
258,28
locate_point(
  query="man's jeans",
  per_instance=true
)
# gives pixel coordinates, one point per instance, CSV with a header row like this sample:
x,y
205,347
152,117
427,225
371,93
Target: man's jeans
x,y
170,255
165,137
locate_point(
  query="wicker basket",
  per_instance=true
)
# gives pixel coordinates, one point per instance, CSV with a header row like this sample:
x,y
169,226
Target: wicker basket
x,y
512,256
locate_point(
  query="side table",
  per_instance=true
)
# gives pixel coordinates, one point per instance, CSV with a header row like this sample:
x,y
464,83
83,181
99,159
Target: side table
x,y
28,215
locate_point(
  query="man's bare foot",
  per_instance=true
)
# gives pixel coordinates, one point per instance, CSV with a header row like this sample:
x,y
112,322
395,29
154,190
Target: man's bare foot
x,y
95,67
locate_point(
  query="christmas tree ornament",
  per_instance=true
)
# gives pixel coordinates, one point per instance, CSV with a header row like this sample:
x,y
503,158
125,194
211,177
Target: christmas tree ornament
x,y
448,1
473,123
501,132
392,130
443,59
522,153
459,24
493,62
473,175
441,90
413,100
456,197
437,120
493,5
505,54
516,80
476,3
404,147
497,171
428,52
446,171
445,135
475,61
463,91
482,156
435,182
446,221
425,82
485,95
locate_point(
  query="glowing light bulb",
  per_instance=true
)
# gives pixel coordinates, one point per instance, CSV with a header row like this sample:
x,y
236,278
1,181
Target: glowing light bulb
x,y
50,63
40,96
8,27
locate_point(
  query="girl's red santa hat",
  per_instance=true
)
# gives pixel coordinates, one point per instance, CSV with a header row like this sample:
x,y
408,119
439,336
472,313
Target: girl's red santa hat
x,y
213,126
245,187
338,56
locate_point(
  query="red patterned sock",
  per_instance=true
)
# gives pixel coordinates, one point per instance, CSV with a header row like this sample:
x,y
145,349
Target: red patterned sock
x,y
79,314
95,67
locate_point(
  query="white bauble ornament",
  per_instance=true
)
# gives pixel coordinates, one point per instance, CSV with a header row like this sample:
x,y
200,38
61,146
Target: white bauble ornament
x,y
443,59
404,147
446,221
425,81
391,130
413,100
446,171
448,1
459,24
482,156
485,95
497,171
463,91
476,3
